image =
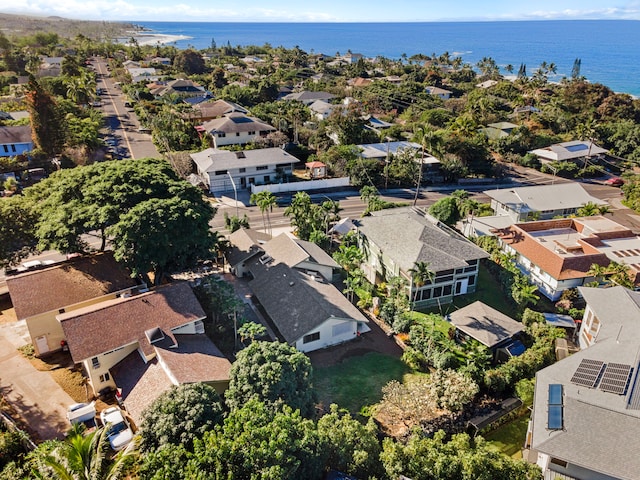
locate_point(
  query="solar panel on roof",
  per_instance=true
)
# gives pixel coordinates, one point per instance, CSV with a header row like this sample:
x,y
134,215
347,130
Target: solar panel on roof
x,y
587,373
615,378
555,394
554,419
577,148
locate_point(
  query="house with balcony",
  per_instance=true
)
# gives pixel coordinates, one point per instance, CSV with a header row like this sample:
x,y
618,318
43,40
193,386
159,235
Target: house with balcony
x,y
235,129
164,346
395,240
39,295
224,170
557,254
585,422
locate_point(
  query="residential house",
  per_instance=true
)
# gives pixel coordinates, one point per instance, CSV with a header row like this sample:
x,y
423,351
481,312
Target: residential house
x,y
395,240
498,130
490,327
208,110
290,278
350,58
15,140
224,170
20,115
50,66
321,109
487,84
307,97
576,150
383,151
165,342
308,312
585,422
181,87
317,170
558,254
540,202
236,129
302,255
39,295
376,124
159,61
359,82
146,75
439,92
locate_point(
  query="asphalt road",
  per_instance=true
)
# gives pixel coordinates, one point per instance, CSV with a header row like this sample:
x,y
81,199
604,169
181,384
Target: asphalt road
x,y
122,121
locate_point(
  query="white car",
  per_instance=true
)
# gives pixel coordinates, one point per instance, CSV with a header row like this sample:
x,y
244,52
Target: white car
x,y
119,432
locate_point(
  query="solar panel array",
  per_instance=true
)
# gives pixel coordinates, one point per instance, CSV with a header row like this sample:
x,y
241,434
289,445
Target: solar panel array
x,y
587,373
555,412
615,378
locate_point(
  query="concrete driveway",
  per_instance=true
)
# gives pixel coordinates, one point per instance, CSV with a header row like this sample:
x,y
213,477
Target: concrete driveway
x,y
37,398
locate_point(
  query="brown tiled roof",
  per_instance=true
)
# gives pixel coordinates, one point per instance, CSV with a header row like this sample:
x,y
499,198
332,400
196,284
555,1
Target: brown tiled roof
x,y
112,324
196,359
559,267
18,134
67,283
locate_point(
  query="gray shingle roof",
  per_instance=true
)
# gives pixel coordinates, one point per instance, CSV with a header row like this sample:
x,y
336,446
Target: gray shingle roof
x,y
212,160
236,123
295,302
600,432
484,323
539,198
408,237
19,134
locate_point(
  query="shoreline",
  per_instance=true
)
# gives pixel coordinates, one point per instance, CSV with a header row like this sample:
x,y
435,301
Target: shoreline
x,y
145,38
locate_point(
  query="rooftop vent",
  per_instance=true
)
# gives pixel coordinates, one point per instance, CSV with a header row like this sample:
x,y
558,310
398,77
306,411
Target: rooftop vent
x,y
154,334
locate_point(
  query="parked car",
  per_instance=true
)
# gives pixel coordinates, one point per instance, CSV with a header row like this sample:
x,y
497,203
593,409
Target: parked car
x,y
614,182
81,412
120,433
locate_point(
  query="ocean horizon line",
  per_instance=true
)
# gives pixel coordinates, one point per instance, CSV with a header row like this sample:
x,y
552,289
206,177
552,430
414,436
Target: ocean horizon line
x,y
394,22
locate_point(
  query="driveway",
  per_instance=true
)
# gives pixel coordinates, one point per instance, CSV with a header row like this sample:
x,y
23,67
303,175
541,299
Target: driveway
x,y
36,397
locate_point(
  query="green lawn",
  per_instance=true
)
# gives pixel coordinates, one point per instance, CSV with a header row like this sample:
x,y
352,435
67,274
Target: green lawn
x,y
509,438
357,381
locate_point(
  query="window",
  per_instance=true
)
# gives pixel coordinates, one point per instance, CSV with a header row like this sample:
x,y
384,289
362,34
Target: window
x,y
267,179
312,337
221,172
437,292
95,363
341,329
470,269
252,133
237,134
6,148
425,294
262,167
104,378
557,461
221,134
242,170
13,148
447,290
472,280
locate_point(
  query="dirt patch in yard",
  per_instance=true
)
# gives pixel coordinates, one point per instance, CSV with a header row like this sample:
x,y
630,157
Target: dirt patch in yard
x,y
7,312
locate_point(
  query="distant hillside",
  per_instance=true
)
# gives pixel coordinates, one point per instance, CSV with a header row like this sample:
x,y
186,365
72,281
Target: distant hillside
x,y
23,25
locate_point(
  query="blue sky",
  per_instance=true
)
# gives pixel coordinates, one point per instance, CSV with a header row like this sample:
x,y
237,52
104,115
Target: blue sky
x,y
328,10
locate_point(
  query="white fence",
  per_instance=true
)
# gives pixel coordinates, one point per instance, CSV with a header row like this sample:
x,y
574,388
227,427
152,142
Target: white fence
x,y
302,186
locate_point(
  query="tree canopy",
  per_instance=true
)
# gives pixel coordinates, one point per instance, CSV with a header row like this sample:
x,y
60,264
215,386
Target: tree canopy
x,y
154,220
274,373
180,415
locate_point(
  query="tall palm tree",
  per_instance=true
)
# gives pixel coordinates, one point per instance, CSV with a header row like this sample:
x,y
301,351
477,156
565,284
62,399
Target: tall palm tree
x,y
265,200
432,143
86,457
421,274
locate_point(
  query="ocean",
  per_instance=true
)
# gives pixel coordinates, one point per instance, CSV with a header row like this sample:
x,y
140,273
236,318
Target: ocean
x,y
609,49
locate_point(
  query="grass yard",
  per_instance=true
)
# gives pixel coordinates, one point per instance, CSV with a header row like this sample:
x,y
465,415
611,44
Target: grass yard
x,y
357,381
509,438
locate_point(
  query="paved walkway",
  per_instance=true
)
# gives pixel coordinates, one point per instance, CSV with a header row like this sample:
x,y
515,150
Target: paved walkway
x,y
37,398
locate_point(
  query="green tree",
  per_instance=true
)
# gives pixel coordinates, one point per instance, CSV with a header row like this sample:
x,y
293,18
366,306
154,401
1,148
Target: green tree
x,y
251,331
17,232
421,274
350,446
265,200
180,415
85,457
274,373
308,217
446,210
590,209
257,443
46,122
189,61
462,458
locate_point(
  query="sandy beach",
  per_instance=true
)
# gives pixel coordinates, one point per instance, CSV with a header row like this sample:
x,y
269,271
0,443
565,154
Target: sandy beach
x,y
156,38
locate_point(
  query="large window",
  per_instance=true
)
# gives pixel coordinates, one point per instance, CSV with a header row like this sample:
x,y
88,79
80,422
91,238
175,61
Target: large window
x,y
312,337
